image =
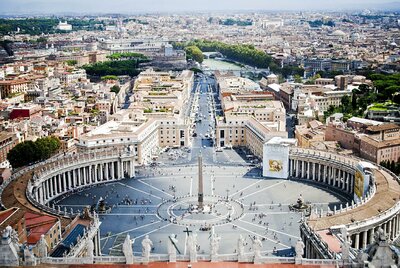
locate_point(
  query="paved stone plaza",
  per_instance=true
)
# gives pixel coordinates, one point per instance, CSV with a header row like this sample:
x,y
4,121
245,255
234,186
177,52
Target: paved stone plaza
x,y
255,206
158,200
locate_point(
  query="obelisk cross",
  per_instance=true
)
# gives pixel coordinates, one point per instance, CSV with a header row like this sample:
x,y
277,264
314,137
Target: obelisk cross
x,y
187,231
200,193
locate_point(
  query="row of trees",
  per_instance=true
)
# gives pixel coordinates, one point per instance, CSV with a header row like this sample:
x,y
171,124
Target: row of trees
x,y
29,152
319,23
121,67
126,55
194,53
230,22
246,54
386,88
392,166
37,26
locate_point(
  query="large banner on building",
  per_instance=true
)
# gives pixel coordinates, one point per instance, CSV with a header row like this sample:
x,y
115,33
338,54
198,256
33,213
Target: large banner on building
x,y
362,179
276,158
359,184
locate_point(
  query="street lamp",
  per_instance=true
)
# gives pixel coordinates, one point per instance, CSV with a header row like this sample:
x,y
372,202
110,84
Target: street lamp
x,y
227,194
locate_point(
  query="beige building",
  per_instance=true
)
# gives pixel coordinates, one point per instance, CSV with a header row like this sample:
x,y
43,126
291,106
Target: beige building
x,y
312,132
236,131
252,116
128,130
162,92
8,88
381,143
372,140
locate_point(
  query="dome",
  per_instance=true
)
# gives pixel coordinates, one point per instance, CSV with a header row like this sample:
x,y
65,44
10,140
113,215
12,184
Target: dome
x,y
338,33
272,76
355,36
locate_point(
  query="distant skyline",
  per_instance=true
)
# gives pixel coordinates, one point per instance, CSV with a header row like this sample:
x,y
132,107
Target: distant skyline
x,y
153,6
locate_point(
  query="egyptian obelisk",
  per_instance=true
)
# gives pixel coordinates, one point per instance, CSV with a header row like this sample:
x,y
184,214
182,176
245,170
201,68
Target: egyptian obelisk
x,y
200,194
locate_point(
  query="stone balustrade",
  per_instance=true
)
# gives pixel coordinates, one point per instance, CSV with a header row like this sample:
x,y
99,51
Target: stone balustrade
x,y
185,258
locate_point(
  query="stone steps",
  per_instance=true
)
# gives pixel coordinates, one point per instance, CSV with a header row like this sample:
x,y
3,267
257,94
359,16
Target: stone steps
x,y
116,249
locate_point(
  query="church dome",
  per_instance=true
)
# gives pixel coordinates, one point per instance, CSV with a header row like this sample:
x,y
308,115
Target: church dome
x,y
338,33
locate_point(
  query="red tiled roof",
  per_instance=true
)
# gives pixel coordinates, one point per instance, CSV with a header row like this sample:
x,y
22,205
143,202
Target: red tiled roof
x,y
32,219
36,232
37,225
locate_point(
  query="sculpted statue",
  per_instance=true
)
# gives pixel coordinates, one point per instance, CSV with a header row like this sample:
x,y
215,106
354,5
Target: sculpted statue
x,y
127,249
90,248
346,245
147,244
192,246
29,258
240,246
42,247
172,244
257,246
299,248
6,233
214,244
380,236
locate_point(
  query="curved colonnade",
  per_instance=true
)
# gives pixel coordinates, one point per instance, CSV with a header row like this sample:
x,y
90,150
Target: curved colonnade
x,y
77,171
378,208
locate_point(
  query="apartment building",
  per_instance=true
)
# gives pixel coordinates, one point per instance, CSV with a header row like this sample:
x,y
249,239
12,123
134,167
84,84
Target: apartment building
x,y
312,132
8,88
7,142
372,140
381,143
235,131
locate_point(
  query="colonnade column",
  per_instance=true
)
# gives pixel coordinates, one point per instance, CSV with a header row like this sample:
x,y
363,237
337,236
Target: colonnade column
x,y
112,170
357,241
41,193
101,172
90,174
371,235
51,186
313,174
364,245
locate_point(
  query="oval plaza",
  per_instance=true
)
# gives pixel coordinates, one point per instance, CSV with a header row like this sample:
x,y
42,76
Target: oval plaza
x,y
368,194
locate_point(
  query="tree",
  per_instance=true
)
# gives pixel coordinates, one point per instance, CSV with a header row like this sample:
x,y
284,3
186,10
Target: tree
x,y
109,77
194,53
28,152
345,101
115,89
41,40
71,62
396,98
354,101
196,70
120,67
298,79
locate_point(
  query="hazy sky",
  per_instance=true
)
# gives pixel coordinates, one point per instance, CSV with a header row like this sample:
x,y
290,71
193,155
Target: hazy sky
x,y
130,6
